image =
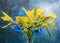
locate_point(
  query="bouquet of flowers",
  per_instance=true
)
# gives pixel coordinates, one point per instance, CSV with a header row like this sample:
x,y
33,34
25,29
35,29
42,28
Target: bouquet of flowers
x,y
31,22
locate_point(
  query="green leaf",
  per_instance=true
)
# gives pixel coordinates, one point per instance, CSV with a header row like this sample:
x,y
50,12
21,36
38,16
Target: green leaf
x,y
48,32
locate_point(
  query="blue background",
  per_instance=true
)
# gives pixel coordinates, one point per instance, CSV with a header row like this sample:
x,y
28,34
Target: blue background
x,y
12,7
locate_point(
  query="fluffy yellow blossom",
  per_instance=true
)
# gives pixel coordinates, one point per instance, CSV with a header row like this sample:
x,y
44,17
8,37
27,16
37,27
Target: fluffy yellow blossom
x,y
35,13
17,21
25,21
6,17
31,15
45,25
40,13
52,15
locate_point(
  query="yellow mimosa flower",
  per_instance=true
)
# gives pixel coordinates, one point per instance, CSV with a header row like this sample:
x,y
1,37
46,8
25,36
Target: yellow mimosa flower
x,y
30,15
45,25
17,20
24,18
52,15
25,21
40,12
6,17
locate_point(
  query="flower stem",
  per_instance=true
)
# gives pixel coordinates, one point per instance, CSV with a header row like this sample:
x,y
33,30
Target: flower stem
x,y
30,39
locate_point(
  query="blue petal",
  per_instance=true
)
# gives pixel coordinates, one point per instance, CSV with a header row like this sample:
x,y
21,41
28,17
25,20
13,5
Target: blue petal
x,y
22,13
17,28
38,32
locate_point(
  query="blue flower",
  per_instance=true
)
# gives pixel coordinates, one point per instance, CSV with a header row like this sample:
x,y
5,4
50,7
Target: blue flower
x,y
37,32
21,13
17,28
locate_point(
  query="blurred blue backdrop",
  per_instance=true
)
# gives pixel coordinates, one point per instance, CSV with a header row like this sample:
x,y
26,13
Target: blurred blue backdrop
x,y
12,7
